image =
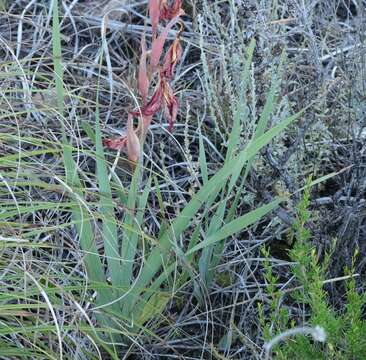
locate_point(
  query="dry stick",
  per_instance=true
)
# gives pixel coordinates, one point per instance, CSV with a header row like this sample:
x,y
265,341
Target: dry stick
x,y
338,52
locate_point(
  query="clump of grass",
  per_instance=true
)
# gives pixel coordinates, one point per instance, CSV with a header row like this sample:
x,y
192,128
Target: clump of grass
x,y
343,329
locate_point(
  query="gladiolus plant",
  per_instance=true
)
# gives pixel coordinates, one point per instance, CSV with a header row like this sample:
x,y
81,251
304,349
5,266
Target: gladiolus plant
x,y
152,65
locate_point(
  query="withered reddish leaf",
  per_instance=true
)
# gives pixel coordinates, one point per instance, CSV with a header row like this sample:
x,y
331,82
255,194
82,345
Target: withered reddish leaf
x,y
171,58
153,106
170,102
143,80
158,43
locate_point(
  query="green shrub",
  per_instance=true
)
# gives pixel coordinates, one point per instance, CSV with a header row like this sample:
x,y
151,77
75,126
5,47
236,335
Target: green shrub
x,y
344,330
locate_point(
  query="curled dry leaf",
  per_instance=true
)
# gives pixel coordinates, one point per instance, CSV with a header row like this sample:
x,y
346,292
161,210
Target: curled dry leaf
x,y
172,57
171,104
153,106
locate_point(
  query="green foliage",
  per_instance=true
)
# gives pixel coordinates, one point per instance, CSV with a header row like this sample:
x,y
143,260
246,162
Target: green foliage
x,y
345,330
277,314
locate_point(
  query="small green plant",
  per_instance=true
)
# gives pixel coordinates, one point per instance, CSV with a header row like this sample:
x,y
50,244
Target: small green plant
x,y
344,339
277,314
